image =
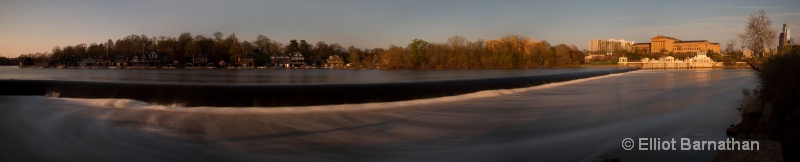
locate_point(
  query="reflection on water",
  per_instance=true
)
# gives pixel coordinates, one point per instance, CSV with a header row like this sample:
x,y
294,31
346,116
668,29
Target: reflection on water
x,y
267,76
581,120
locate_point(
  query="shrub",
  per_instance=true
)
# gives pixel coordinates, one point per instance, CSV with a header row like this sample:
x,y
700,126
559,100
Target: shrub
x,y
779,78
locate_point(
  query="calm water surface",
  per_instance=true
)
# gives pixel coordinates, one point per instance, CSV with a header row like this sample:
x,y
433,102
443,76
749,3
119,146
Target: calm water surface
x,y
266,76
583,120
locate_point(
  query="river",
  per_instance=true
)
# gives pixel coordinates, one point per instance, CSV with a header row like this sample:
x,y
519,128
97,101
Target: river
x,y
578,120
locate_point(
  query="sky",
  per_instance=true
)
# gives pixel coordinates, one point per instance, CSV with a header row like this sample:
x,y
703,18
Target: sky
x,y
29,26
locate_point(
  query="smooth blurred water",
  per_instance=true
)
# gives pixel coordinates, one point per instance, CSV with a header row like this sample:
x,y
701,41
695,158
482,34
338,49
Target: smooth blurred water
x,y
266,76
582,120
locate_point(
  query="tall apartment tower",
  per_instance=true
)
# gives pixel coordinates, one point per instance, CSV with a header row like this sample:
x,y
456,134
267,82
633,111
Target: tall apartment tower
x,y
784,37
610,45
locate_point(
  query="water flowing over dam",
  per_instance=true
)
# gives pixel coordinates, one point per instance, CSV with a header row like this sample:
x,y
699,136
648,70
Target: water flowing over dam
x,y
282,95
579,115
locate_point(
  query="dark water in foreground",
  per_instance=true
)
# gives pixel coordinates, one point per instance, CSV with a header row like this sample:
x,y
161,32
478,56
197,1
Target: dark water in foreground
x,y
266,76
272,95
582,120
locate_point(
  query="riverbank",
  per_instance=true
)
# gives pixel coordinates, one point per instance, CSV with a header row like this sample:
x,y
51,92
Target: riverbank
x,y
684,65
771,111
663,67
753,118
763,122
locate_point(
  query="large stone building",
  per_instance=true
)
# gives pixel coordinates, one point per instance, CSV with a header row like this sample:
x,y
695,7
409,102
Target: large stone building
x,y
597,46
666,44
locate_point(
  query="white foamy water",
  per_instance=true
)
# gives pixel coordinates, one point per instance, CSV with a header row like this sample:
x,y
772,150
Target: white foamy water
x,y
577,120
128,103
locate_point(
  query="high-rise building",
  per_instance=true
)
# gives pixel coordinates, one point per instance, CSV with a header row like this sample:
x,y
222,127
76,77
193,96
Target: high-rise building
x,y
610,45
783,39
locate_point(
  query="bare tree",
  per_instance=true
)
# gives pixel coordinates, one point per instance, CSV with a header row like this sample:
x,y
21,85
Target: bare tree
x,y
758,33
730,48
457,41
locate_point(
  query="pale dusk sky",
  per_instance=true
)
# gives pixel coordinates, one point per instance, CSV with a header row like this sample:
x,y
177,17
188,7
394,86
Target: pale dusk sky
x,y
29,26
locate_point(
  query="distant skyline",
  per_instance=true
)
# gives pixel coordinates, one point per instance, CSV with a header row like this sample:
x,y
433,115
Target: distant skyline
x,y
29,26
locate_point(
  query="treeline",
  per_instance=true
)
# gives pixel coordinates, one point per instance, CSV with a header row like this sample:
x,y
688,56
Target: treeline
x,y
8,61
183,48
779,79
511,51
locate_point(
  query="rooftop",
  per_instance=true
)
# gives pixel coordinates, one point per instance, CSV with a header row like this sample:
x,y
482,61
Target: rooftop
x,y
692,41
666,37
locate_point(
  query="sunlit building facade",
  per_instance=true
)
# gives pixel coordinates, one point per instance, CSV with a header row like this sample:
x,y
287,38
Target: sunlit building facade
x,y
664,44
